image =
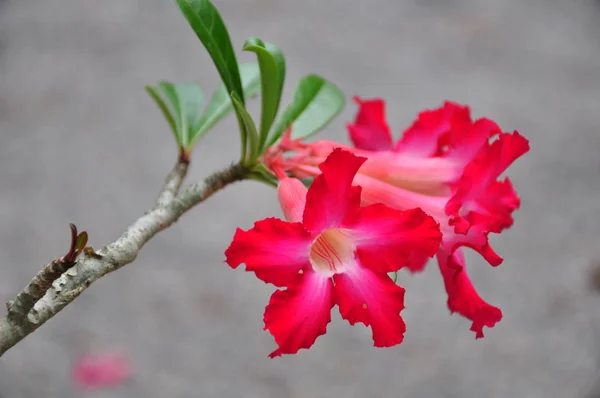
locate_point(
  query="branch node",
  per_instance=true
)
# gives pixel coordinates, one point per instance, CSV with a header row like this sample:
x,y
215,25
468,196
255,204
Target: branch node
x,y
19,308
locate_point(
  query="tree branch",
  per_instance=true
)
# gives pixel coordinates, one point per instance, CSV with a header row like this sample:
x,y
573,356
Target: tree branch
x,y
91,265
173,181
19,308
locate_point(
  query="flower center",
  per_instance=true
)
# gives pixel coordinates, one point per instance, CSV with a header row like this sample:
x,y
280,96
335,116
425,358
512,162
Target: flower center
x,y
331,251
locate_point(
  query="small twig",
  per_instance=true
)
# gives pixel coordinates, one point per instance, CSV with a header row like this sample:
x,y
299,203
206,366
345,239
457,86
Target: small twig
x,y
39,285
19,308
173,181
89,268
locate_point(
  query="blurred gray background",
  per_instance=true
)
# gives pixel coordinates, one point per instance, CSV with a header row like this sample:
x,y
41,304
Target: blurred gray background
x,y
80,141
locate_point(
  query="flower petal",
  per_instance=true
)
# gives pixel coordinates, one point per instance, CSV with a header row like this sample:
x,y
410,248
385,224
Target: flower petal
x,y
477,239
372,299
417,262
94,371
418,174
462,296
296,316
292,198
274,250
328,196
370,130
422,139
376,191
386,238
492,210
464,140
480,199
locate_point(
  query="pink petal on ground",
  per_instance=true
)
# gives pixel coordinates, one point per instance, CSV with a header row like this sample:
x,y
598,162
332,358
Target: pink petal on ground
x,y
94,371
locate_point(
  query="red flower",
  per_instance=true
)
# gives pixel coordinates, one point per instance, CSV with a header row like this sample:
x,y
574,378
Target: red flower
x,y
447,165
331,251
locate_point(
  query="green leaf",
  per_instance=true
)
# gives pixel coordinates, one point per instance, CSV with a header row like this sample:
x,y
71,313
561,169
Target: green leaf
x,y
80,242
166,109
220,104
249,135
314,104
190,98
272,75
206,22
180,105
262,174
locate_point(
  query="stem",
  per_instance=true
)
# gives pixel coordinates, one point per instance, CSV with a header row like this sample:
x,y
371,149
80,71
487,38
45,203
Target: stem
x,y
92,266
173,181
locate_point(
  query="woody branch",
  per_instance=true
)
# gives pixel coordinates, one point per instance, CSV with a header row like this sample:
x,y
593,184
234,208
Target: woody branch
x,y
65,278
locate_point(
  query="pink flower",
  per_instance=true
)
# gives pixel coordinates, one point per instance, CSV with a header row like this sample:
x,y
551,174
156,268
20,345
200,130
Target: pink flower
x,y
101,370
447,165
332,251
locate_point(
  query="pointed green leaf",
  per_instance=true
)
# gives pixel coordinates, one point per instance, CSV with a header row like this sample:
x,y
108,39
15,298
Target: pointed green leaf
x,y
166,109
272,76
249,135
80,243
206,22
314,104
190,105
220,104
181,105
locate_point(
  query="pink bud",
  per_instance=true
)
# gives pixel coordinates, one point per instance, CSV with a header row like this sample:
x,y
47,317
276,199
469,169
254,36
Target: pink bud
x,y
292,198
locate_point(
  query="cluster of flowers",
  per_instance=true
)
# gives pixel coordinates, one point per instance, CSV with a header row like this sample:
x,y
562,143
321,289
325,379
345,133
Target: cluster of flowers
x,y
374,208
